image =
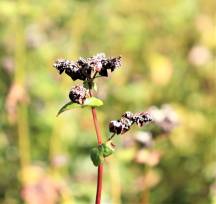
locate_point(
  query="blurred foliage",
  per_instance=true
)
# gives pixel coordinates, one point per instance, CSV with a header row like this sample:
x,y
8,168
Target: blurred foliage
x,y
168,49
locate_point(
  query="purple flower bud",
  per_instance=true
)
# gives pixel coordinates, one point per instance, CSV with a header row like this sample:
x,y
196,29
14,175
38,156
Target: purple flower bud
x,y
61,65
115,126
78,94
128,115
141,118
120,126
112,63
85,68
95,61
126,124
127,120
71,69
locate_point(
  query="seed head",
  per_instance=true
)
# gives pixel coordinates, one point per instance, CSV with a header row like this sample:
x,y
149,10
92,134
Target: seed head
x,y
78,94
141,118
126,124
86,68
127,120
61,65
128,115
115,126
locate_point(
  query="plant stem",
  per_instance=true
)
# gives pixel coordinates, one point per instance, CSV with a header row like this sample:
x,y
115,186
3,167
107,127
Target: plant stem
x,y
97,128
100,167
111,136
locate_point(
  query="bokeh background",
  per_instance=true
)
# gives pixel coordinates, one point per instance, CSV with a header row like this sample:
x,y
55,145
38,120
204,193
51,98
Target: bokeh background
x,y
168,49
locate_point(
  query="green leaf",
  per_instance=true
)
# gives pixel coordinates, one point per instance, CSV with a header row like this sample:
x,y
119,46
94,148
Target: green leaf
x,y
87,85
68,106
96,156
93,102
107,148
101,151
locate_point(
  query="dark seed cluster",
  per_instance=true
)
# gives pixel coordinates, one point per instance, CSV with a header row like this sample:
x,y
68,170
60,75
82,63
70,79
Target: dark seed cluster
x,y
141,118
78,94
127,120
87,68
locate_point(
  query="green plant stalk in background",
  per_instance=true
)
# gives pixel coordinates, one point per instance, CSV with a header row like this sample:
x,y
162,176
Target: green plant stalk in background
x,y
22,113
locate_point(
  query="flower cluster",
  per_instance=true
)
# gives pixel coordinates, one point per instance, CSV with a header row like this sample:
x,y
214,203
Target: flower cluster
x,y
141,118
127,120
88,68
78,94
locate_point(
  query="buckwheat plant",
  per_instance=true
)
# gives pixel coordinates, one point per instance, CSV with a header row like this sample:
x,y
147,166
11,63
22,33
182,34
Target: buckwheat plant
x,y
87,70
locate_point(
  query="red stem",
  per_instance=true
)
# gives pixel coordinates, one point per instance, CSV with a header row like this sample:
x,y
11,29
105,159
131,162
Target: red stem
x,y
100,167
97,128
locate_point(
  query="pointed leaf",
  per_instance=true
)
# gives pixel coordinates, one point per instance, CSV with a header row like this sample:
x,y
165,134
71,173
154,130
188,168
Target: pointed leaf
x,y
68,106
93,102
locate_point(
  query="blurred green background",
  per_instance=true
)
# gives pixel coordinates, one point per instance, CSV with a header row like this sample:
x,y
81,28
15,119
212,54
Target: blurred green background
x,y
168,49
